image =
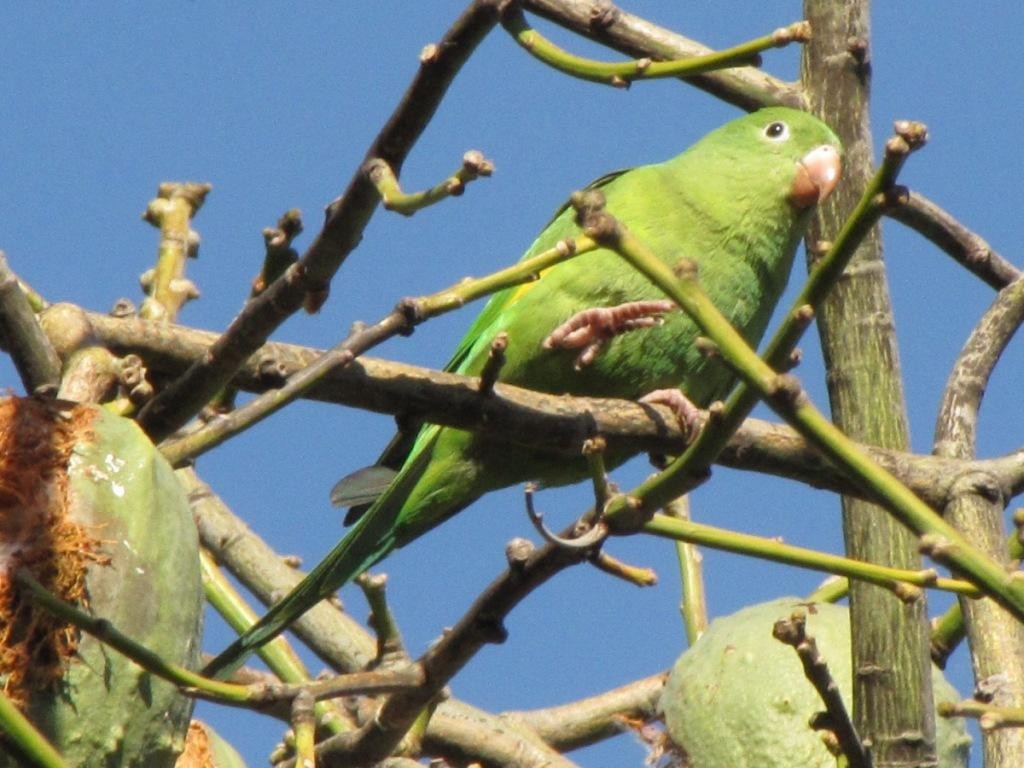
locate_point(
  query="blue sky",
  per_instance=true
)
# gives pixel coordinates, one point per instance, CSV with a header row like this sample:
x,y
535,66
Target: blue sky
x,y
276,105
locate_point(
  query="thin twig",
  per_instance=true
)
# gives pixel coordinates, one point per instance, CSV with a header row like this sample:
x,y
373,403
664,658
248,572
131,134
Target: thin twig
x,y
585,721
905,584
989,716
167,289
390,647
793,632
33,354
747,88
392,197
621,74
966,247
26,738
956,426
693,605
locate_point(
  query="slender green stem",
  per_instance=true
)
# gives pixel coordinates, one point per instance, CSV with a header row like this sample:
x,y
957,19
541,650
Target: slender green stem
x,y
474,165
948,631
832,590
900,581
145,658
304,728
989,716
637,575
593,451
171,211
278,653
412,311
622,73
279,253
390,646
20,731
232,607
693,605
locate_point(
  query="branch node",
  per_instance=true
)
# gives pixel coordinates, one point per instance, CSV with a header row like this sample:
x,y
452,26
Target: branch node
x,y
123,307
411,312
785,390
907,593
896,196
430,53
517,553
706,347
603,13
493,365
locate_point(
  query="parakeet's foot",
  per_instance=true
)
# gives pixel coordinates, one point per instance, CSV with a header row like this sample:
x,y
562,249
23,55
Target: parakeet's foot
x,y
686,412
592,328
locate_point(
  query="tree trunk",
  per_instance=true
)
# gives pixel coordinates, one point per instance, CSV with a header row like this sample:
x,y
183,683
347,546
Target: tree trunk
x,y
892,684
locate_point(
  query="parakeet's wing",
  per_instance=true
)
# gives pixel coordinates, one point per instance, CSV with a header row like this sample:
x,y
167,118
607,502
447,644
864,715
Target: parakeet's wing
x,y
358,490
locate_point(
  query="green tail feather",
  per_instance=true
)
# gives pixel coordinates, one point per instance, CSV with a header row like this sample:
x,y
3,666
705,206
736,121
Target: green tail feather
x,y
370,540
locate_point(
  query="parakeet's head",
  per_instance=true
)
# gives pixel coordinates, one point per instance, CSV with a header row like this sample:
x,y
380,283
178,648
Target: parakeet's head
x,y
777,154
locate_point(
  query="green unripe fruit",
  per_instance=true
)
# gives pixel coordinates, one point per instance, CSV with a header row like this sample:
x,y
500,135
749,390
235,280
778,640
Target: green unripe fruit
x,y
739,698
97,515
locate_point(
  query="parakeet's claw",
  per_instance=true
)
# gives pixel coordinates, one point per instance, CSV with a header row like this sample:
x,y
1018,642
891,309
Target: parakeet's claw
x,y
590,329
686,412
589,539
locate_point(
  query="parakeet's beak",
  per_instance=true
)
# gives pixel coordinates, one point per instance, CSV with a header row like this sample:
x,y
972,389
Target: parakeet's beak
x,y
817,174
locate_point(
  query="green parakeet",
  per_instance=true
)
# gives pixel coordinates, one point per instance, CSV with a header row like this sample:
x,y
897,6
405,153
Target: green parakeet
x,y
736,202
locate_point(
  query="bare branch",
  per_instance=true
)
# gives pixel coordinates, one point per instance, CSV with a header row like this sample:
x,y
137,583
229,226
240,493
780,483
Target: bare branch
x,y
956,430
582,722
621,73
33,355
968,248
976,509
600,20
793,632
560,424
463,734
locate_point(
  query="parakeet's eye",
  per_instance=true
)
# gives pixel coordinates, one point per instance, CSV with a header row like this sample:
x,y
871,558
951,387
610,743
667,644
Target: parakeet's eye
x,y
777,131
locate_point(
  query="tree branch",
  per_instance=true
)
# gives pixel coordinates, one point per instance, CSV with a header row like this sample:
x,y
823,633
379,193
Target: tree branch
x,y
33,355
968,248
579,723
996,639
560,424
601,21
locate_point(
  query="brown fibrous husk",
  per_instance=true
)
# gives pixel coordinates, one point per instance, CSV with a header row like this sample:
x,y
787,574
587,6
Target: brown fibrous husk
x,y
37,438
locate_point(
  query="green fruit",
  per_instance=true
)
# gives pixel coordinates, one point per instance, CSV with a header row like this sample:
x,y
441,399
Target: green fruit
x,y
113,533
739,699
